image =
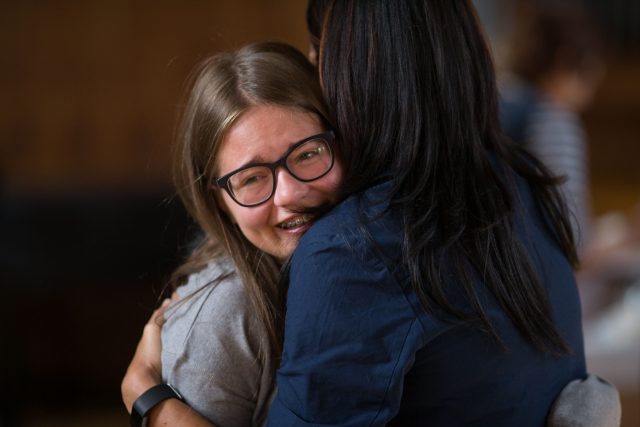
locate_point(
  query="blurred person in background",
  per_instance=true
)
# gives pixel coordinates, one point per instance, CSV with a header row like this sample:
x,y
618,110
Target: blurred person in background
x,y
554,66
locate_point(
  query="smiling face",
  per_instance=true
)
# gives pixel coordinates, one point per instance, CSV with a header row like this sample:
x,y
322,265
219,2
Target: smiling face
x,y
263,134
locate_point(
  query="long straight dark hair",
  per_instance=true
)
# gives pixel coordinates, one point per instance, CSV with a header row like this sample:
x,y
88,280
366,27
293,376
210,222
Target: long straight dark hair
x,y
411,89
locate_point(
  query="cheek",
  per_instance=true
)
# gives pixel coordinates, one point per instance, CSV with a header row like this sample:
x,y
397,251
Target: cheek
x,y
335,178
326,189
227,205
252,221
223,201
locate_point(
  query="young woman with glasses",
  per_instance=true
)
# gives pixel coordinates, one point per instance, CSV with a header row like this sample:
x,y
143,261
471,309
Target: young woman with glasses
x,y
255,165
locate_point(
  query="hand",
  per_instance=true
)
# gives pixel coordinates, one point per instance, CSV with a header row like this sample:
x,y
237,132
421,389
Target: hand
x,y
145,370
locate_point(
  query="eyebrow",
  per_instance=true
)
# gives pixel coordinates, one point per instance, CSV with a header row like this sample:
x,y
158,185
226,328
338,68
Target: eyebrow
x,y
259,159
255,159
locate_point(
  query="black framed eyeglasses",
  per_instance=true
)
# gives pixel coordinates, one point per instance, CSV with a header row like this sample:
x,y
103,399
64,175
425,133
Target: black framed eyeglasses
x,y
255,183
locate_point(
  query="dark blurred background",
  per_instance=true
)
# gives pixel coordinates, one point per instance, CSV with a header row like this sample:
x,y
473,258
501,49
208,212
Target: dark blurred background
x,y
89,225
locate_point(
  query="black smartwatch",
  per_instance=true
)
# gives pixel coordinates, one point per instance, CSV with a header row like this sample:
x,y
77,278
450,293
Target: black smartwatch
x,y
148,400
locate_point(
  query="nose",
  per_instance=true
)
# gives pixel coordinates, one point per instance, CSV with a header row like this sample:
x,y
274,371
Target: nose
x,y
289,191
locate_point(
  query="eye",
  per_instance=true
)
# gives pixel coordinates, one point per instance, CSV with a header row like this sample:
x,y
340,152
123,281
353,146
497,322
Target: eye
x,y
310,154
250,178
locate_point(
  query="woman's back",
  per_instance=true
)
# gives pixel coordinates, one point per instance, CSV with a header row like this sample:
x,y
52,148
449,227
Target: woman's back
x,y
377,357
462,377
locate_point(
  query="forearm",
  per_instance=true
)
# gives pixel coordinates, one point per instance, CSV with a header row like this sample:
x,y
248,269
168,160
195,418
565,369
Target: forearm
x,y
171,412
137,380
174,413
143,373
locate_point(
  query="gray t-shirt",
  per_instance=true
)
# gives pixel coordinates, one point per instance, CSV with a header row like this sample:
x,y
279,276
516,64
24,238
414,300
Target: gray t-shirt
x,y
210,346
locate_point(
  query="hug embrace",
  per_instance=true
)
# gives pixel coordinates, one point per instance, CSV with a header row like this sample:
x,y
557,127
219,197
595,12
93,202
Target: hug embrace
x,y
374,250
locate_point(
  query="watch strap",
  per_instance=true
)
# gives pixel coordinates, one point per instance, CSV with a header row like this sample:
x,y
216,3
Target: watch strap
x,y
150,399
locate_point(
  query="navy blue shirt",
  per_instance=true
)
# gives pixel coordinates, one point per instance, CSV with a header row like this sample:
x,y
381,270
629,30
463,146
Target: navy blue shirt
x,y
359,349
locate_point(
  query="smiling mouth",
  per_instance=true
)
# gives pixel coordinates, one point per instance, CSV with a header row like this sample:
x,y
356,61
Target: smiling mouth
x,y
296,222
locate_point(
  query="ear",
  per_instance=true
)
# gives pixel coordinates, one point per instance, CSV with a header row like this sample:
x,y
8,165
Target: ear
x,y
312,55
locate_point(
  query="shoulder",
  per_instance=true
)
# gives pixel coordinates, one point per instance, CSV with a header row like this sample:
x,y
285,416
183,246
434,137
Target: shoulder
x,y
213,302
359,222
216,286
218,271
351,253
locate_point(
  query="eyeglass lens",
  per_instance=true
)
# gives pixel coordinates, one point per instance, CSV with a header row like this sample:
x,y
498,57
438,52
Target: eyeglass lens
x,y
307,162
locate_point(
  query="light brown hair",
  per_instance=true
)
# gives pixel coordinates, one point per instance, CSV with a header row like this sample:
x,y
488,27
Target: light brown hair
x,y
223,87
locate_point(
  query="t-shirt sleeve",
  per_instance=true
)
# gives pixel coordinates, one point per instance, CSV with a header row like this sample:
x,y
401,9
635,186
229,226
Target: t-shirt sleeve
x,y
350,336
211,344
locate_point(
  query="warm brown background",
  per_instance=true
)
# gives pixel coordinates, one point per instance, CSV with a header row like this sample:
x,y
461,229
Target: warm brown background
x,y
89,88
88,230
89,92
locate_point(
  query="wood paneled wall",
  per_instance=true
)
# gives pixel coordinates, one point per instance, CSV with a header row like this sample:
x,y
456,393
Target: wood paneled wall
x,y
613,127
89,89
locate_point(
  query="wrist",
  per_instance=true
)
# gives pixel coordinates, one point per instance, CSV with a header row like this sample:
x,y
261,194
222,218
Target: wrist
x,y
134,385
150,400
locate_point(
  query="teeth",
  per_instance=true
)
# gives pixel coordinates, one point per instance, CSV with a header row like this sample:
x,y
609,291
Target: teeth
x,y
296,222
